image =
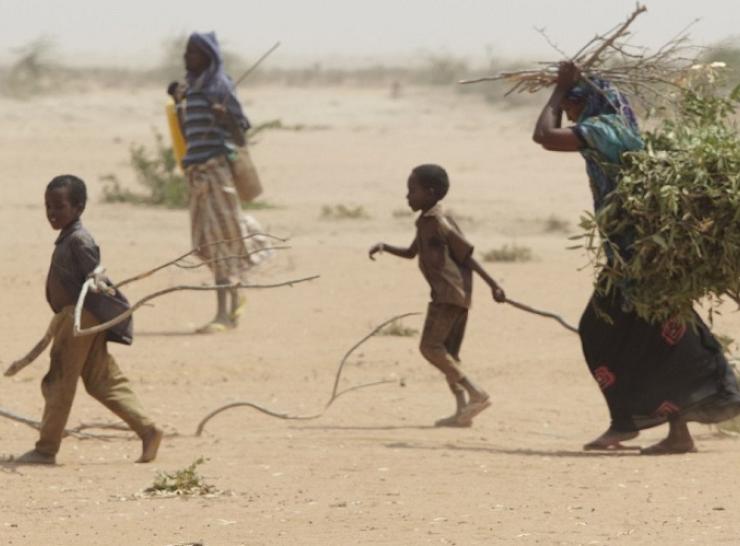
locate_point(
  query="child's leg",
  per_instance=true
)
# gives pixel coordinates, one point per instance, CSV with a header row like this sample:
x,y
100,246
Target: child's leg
x,y
68,355
439,321
453,343
106,383
443,328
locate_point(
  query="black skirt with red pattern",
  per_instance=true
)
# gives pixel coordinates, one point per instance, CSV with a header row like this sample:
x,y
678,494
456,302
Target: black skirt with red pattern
x,y
653,373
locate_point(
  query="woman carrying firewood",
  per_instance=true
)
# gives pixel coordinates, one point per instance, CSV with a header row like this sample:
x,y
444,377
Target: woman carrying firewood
x,y
649,373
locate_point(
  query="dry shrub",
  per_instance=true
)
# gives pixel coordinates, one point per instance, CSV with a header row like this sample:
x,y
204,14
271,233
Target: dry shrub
x,y
509,253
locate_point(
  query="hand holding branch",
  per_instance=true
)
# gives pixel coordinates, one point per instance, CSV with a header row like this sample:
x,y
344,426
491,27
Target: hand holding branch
x,y
375,249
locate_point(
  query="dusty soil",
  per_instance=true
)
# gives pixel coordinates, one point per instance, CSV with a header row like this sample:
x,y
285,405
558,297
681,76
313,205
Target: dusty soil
x,y
372,470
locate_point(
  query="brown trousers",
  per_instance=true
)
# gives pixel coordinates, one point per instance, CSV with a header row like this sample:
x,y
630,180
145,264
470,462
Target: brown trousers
x,y
86,357
442,337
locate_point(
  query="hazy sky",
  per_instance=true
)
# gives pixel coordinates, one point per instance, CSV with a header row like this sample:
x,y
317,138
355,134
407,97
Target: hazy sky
x,y
329,31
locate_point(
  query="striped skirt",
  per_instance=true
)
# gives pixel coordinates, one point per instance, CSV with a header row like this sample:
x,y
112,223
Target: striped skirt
x,y
218,225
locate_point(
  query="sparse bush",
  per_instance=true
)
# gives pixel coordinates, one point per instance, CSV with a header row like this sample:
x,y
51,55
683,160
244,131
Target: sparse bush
x,y
402,213
32,71
506,253
157,171
343,212
181,482
553,224
396,328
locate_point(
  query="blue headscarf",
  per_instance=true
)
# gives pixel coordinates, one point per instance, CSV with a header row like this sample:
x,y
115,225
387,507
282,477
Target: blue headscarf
x,y
608,128
213,81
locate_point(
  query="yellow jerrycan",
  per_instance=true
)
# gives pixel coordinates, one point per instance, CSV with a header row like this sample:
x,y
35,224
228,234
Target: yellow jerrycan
x,y
178,140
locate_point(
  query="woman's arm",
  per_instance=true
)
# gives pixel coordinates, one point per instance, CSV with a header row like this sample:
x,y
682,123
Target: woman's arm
x,y
548,131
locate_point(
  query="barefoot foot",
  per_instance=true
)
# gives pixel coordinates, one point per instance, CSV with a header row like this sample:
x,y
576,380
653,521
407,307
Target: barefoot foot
x,y
473,408
670,446
150,445
611,440
35,457
454,421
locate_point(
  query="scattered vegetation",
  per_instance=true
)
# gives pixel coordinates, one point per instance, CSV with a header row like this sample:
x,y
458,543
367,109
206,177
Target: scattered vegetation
x,y
553,224
402,213
343,212
157,171
181,482
396,328
509,253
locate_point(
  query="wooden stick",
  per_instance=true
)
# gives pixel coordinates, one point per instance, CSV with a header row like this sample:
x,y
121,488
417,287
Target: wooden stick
x,y
610,40
335,393
43,343
79,331
195,250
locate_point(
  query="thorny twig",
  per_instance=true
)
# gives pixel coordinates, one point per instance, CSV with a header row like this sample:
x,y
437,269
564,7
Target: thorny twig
x,y
335,393
195,250
611,57
76,432
79,331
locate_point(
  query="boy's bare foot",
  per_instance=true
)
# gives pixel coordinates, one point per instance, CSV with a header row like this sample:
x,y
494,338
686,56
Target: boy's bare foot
x,y
474,407
611,440
35,457
150,445
670,446
453,421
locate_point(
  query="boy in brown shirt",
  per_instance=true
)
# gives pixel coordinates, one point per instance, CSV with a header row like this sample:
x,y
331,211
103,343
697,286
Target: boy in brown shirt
x,y
75,258
446,261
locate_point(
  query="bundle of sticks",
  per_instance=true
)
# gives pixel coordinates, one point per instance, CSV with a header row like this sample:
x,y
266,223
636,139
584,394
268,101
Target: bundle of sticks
x,y
642,73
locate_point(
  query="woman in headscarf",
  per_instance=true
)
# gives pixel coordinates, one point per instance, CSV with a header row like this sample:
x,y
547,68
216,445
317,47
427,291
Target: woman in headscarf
x,y
649,374
214,124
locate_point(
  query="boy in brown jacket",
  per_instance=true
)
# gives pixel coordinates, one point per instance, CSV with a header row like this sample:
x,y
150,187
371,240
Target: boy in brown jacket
x,y
446,261
75,258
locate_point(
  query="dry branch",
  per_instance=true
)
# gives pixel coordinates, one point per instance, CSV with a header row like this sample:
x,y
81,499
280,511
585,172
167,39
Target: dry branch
x,y
335,392
79,331
195,250
76,432
609,56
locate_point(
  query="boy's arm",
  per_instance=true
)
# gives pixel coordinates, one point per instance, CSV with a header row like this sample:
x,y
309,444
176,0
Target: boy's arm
x,y
497,291
407,253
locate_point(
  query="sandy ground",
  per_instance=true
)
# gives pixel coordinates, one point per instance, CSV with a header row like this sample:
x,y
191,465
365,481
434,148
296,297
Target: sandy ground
x,y
372,470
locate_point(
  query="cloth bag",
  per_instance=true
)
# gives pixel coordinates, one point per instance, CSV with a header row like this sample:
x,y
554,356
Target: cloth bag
x,y
246,179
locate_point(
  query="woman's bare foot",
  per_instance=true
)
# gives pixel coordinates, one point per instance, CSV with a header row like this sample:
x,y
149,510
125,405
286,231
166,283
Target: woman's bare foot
x,y
678,441
669,447
611,440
